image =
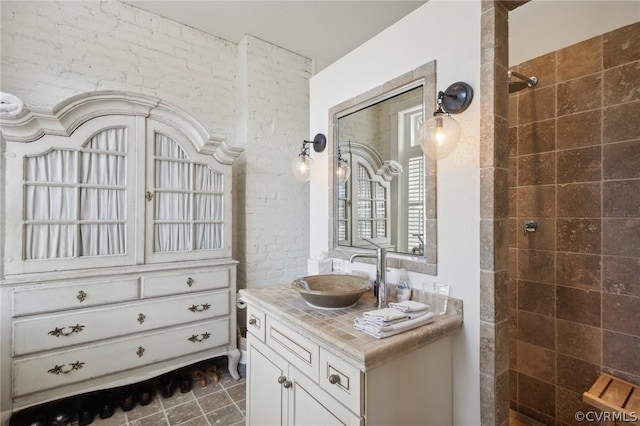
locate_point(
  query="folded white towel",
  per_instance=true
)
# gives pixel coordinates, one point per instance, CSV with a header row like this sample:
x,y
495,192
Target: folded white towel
x,y
386,314
409,306
393,329
386,325
10,105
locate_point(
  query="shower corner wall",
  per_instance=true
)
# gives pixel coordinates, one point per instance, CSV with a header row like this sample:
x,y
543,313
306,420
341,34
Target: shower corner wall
x,y
574,168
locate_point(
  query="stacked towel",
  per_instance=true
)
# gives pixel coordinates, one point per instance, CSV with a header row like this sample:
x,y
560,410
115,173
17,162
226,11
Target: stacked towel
x,y
387,322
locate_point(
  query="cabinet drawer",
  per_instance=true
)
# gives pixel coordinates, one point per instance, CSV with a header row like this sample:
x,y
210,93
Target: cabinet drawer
x,y
38,299
177,283
256,322
62,368
57,331
295,348
341,380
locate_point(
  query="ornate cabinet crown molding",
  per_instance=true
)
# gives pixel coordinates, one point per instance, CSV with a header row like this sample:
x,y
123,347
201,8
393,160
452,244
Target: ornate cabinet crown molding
x,y
68,115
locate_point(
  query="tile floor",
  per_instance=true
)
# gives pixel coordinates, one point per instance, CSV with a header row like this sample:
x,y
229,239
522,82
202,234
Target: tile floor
x,y
217,404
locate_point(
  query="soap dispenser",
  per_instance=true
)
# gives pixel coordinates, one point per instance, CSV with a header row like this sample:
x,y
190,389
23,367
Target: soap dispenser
x,y
404,289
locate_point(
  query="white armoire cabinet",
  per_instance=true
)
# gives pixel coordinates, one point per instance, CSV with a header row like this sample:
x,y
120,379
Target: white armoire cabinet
x,y
116,246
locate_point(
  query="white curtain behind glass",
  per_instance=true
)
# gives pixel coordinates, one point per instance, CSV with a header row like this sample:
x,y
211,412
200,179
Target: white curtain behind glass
x,y
188,204
53,226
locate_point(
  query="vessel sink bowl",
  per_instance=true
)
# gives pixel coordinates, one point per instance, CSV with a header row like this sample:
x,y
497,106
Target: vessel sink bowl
x,y
331,291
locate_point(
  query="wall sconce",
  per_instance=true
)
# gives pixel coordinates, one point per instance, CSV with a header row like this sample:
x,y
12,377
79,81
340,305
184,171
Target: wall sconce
x,y
439,135
302,163
344,170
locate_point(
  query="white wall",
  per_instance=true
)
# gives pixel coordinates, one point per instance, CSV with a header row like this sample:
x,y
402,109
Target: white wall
x,y
565,23
417,39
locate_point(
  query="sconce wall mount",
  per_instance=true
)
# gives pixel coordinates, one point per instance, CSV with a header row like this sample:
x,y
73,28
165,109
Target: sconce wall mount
x,y
303,162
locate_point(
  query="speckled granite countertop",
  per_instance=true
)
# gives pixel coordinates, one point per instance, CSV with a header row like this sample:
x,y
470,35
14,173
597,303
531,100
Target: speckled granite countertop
x,y
334,328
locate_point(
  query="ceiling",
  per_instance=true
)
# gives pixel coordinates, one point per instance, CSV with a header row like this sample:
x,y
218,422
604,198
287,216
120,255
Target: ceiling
x,y
321,30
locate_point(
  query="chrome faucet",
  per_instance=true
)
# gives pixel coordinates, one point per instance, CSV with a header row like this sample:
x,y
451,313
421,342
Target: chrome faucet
x,y
381,273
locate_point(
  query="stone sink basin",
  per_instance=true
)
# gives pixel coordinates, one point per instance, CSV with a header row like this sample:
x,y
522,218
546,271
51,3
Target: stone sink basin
x,y
331,291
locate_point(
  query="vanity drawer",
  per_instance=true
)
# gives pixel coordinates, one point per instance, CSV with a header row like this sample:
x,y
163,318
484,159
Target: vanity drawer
x,y
35,299
62,368
256,323
301,352
58,331
183,282
342,380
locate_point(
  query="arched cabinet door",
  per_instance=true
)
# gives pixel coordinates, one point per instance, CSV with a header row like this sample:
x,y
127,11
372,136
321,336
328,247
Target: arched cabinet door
x,y
71,199
187,195
113,179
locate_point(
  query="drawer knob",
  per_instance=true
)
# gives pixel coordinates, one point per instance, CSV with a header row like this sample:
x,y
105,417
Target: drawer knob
x,y
334,378
57,332
195,338
141,317
287,384
190,281
59,369
140,351
148,196
82,296
253,321
199,308
282,379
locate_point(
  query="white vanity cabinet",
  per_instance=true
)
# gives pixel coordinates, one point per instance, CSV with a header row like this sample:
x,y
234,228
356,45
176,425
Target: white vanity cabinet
x,y
278,393
298,375
116,226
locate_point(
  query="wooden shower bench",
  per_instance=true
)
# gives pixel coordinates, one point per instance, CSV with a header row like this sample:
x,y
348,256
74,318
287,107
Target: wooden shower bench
x,y
613,395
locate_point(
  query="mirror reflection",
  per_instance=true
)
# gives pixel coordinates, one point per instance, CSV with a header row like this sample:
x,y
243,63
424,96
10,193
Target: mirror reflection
x,y
383,199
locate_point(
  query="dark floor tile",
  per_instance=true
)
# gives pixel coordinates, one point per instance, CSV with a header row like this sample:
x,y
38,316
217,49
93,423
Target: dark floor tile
x,y
214,400
143,411
198,421
226,415
237,392
158,419
182,413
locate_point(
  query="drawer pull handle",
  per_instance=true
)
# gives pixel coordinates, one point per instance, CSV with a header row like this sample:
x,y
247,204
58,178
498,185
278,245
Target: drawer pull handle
x,y
57,332
203,307
195,338
253,321
72,367
140,351
282,379
190,281
287,384
141,317
82,296
334,378
148,196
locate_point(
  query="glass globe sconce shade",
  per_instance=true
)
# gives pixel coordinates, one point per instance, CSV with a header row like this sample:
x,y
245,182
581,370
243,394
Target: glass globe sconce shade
x,y
301,167
302,164
439,135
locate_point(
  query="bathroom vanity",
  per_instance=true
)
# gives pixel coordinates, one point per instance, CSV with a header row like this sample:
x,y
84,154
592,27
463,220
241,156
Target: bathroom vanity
x,y
310,366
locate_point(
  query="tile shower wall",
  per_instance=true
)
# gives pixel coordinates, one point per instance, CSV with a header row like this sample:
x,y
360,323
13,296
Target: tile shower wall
x,y
574,167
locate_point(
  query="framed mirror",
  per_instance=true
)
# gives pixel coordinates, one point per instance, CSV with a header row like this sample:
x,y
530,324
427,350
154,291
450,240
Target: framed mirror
x,y
389,197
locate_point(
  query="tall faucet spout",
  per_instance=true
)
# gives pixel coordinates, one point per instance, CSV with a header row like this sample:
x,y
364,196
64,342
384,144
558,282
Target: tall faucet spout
x,y
381,273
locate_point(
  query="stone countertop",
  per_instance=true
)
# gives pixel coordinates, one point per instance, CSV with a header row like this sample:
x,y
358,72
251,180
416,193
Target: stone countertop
x,y
334,328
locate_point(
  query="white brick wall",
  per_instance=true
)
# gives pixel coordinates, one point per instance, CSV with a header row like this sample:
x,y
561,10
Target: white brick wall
x,y
273,233
255,95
